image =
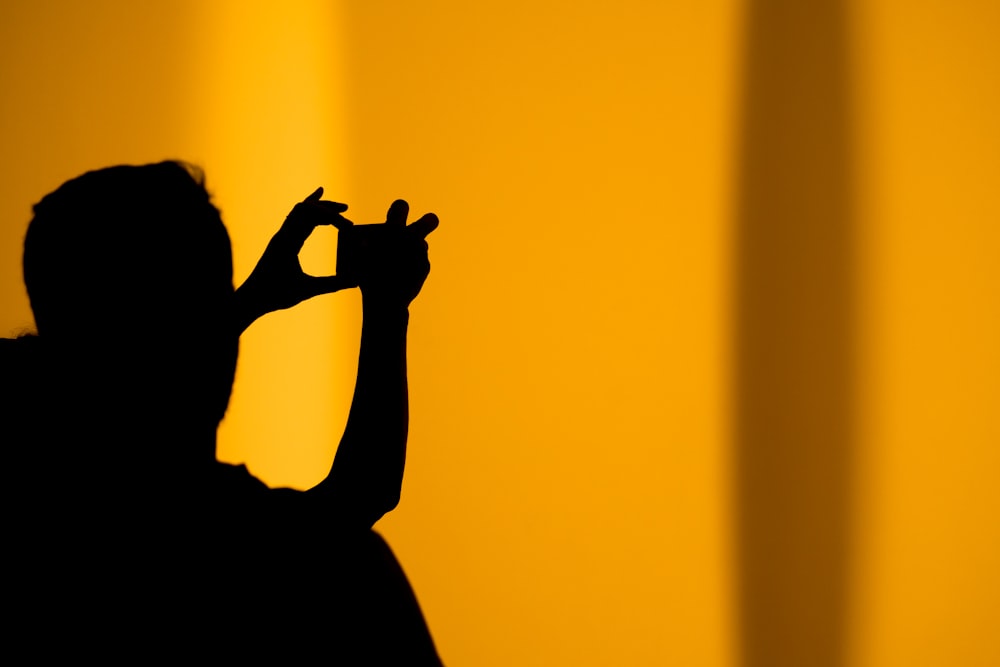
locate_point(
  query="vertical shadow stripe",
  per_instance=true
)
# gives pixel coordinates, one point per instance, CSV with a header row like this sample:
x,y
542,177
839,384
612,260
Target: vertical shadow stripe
x,y
793,335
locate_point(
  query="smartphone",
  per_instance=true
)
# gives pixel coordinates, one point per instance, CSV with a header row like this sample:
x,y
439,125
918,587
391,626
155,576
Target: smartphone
x,y
358,247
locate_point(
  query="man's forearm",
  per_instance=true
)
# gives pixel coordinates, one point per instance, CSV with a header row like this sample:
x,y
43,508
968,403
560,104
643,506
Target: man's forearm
x,y
367,473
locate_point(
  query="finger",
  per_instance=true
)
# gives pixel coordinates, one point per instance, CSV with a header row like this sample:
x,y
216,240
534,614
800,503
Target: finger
x,y
331,205
397,213
314,213
315,195
340,222
299,225
424,226
316,285
332,214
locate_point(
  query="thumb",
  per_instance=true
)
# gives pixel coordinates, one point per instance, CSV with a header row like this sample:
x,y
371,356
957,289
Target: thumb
x,y
316,285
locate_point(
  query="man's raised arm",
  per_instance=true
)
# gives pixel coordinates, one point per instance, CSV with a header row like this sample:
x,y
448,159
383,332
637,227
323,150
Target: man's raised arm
x,y
367,474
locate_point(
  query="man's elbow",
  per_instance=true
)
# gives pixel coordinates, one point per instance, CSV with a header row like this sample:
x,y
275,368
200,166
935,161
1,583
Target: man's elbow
x,y
378,507
388,502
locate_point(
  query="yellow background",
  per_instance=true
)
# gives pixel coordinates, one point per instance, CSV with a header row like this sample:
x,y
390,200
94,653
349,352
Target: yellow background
x,y
577,489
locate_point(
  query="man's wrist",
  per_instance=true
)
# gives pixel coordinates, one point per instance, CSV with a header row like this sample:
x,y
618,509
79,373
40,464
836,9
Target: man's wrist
x,y
244,313
384,309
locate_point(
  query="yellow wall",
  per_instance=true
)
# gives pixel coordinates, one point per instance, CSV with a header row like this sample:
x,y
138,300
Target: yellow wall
x,y
75,99
566,497
573,490
928,584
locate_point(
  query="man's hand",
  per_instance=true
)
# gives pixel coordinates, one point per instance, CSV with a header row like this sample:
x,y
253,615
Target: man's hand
x,y
402,266
278,281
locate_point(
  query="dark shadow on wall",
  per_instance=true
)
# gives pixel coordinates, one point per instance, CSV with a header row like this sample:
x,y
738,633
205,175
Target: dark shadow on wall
x,y
794,346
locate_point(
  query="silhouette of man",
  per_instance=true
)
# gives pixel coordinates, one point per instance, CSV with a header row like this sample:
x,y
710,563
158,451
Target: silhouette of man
x,y
129,274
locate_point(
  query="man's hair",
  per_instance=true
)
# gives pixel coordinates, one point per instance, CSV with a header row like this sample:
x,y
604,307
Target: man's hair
x,y
129,272
118,246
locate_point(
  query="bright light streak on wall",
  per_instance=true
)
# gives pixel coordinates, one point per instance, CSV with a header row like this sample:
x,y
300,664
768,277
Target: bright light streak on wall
x,y
268,133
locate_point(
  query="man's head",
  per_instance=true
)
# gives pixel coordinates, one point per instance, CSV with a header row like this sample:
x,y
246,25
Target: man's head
x,y
129,273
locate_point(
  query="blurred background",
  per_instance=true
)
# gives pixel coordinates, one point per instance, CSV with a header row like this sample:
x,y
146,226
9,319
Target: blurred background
x,y
707,368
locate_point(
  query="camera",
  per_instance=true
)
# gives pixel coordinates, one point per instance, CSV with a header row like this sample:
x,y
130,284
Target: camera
x,y
362,248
